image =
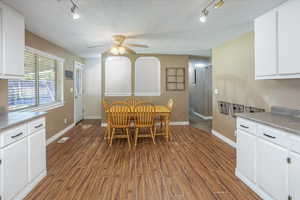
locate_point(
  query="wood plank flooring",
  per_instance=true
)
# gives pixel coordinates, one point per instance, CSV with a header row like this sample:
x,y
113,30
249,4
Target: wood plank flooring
x,y
194,166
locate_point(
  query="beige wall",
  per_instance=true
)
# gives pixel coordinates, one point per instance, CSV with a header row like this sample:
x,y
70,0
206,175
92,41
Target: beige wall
x,y
233,75
55,118
181,97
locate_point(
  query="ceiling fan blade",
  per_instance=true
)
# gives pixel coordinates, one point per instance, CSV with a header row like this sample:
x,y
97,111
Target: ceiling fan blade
x,y
97,46
129,51
137,45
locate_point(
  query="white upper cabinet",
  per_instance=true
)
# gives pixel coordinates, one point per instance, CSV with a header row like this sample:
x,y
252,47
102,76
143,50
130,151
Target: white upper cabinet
x,y
265,44
288,37
12,43
277,42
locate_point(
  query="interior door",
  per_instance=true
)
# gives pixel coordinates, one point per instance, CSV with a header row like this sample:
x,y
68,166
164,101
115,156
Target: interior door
x,y
78,92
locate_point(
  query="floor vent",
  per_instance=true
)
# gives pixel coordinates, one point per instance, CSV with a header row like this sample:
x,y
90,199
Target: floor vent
x,y
63,140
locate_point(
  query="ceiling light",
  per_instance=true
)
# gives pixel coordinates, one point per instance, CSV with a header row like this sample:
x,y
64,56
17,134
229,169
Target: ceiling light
x,y
114,51
219,4
203,16
121,50
74,11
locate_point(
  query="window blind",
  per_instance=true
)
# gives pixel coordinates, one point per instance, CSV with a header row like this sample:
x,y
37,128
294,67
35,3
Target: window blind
x,y
22,93
39,86
47,80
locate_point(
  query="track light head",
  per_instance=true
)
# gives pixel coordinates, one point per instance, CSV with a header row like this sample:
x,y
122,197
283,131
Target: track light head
x,y
74,11
204,14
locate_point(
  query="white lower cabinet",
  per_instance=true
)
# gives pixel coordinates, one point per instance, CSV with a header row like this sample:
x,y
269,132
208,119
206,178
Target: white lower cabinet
x,y
37,154
268,161
294,176
23,160
271,169
246,154
14,168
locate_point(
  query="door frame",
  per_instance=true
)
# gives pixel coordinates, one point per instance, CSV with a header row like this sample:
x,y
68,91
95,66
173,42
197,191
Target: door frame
x,y
80,66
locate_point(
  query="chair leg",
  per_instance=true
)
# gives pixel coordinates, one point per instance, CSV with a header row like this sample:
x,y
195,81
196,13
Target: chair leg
x,y
128,137
136,136
153,134
112,136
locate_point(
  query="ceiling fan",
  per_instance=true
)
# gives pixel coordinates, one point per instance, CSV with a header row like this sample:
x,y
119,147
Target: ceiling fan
x,y
119,47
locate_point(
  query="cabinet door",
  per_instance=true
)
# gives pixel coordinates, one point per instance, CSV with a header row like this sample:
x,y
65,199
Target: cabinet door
x,y
272,169
288,37
13,42
294,176
14,169
246,154
37,154
266,44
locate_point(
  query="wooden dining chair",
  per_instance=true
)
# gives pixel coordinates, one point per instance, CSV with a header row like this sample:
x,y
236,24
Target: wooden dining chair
x,y
144,119
107,130
119,118
132,101
170,106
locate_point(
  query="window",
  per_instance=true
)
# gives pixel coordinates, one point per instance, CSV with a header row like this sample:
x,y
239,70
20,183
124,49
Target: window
x,y
42,84
147,76
117,76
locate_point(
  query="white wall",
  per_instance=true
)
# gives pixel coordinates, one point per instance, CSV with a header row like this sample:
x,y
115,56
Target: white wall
x,y
92,88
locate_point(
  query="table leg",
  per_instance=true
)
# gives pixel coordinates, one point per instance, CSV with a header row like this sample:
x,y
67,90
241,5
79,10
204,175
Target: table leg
x,y
167,124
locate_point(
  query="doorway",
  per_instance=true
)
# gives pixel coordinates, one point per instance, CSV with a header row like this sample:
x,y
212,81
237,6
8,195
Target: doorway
x,y
78,92
200,93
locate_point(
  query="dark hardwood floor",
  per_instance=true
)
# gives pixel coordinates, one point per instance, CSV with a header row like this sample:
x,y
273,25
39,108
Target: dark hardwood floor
x,y
194,166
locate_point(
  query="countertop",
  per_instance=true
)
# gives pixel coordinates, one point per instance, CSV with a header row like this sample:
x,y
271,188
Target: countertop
x,y
10,119
284,122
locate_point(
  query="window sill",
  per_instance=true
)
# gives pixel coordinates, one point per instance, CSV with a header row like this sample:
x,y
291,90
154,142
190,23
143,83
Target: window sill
x,y
45,108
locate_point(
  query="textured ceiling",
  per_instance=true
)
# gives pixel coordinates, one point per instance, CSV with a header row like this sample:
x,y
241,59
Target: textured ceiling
x,y
167,26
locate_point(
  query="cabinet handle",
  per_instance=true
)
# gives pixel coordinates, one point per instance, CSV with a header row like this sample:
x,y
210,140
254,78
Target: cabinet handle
x,y
15,136
269,136
38,126
243,126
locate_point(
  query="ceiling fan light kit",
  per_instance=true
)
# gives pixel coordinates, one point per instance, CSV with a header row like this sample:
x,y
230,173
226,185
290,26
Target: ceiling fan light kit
x,y
204,13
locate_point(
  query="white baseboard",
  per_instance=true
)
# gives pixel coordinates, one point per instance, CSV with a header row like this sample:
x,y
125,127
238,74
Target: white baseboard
x,y
225,139
92,117
182,123
202,116
31,186
253,186
59,134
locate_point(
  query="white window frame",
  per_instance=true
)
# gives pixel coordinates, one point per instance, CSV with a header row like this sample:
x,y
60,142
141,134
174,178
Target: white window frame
x,y
158,75
60,71
117,94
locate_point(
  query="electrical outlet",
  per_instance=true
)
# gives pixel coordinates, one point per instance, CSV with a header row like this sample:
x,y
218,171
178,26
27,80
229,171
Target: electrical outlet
x,y
66,120
235,133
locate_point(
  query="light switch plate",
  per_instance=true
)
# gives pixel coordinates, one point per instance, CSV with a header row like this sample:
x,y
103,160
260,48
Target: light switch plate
x,y
216,91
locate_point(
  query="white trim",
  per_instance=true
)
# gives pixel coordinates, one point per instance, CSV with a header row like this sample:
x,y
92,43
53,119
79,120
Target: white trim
x,y
45,54
28,188
182,123
59,134
92,117
147,94
253,186
225,139
117,94
202,116
43,108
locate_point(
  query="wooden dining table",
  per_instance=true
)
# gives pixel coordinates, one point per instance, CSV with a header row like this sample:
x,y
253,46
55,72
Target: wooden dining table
x,y
160,111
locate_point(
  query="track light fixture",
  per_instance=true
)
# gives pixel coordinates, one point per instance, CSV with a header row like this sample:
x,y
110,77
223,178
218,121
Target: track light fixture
x,y
205,12
74,10
219,4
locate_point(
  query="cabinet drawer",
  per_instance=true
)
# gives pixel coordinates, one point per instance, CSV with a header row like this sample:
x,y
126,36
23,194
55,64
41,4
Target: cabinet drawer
x,y
246,125
273,135
37,125
294,143
13,134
